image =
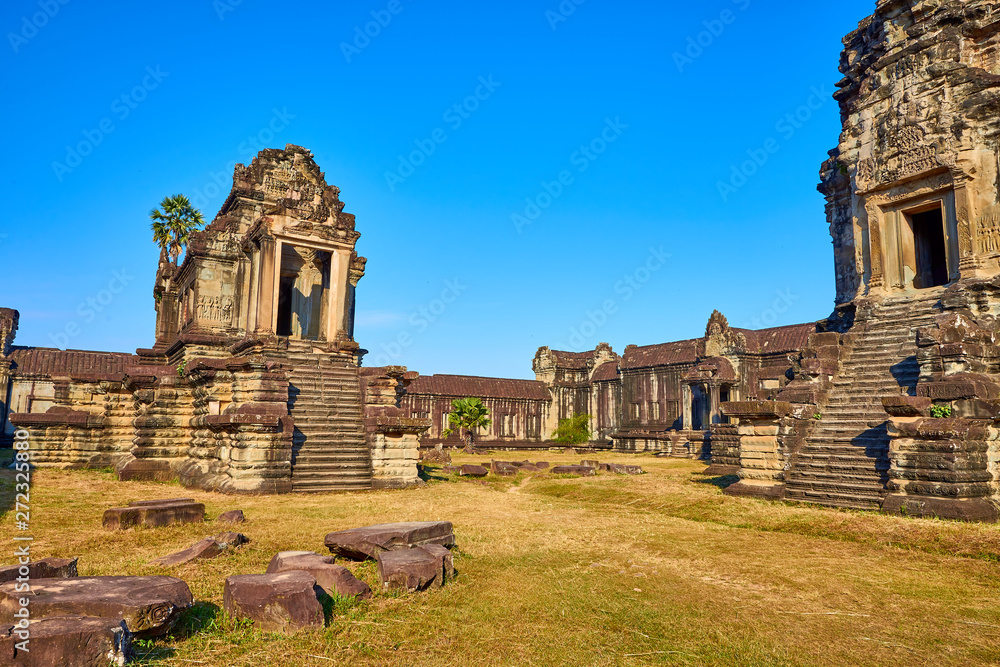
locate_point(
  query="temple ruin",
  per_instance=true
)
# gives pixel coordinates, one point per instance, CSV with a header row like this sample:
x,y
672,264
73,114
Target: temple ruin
x,y
256,384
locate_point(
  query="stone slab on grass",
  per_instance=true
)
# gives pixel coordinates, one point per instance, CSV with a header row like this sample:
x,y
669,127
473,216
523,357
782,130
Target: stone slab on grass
x,y
210,547
232,516
619,469
368,542
68,641
416,569
277,602
473,471
148,605
154,514
45,568
335,579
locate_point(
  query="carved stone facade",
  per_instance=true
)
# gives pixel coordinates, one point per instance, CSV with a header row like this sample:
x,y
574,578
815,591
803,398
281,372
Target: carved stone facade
x,y
253,382
894,403
660,398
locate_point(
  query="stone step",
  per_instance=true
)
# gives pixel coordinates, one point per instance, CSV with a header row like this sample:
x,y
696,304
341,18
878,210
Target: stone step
x,y
861,489
844,501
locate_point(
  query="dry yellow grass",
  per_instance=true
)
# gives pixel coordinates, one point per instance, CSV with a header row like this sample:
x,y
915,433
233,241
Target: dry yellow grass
x,y
657,569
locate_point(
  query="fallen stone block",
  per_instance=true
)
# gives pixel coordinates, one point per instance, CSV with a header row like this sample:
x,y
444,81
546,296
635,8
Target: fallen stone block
x,y
45,568
165,501
277,602
584,471
451,470
149,605
368,542
152,515
232,516
438,456
473,471
68,641
542,465
210,547
569,450
416,569
619,469
503,468
596,465
332,578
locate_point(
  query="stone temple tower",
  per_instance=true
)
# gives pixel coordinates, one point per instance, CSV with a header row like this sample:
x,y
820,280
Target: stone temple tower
x,y
894,405
253,383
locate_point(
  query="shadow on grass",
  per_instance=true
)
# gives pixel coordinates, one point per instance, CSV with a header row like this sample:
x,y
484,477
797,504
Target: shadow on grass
x,y
721,482
431,473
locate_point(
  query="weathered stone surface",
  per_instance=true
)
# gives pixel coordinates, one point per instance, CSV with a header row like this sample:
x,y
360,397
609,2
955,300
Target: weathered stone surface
x,y
45,568
368,542
335,579
437,455
68,641
415,569
596,465
210,547
584,471
148,605
619,469
503,468
277,602
154,515
542,465
473,471
232,516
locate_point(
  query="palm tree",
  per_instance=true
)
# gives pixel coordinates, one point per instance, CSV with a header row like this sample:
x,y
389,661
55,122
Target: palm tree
x,y
173,226
467,414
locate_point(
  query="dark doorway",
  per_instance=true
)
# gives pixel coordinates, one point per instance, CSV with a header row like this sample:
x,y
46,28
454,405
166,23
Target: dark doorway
x,y
285,287
699,408
928,240
723,398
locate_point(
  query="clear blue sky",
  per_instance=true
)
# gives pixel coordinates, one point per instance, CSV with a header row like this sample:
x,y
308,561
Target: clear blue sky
x,y
203,82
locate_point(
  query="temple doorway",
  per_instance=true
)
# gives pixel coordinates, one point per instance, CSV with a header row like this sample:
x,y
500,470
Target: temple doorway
x,y
303,288
930,249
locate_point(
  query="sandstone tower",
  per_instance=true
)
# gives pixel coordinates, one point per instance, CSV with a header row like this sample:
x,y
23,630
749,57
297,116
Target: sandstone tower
x,y
894,402
253,383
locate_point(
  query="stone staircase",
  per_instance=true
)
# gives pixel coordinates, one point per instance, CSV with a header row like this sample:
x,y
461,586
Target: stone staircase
x,y
329,452
845,460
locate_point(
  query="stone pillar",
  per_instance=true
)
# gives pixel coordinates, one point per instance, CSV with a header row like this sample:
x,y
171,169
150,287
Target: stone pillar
x,y
969,264
686,407
340,265
267,298
713,417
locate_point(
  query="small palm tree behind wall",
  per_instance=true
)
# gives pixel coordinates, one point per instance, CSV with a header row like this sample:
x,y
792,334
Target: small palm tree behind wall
x,y
173,223
467,414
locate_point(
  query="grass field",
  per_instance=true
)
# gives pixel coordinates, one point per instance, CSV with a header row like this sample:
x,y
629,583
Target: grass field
x,y
656,569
